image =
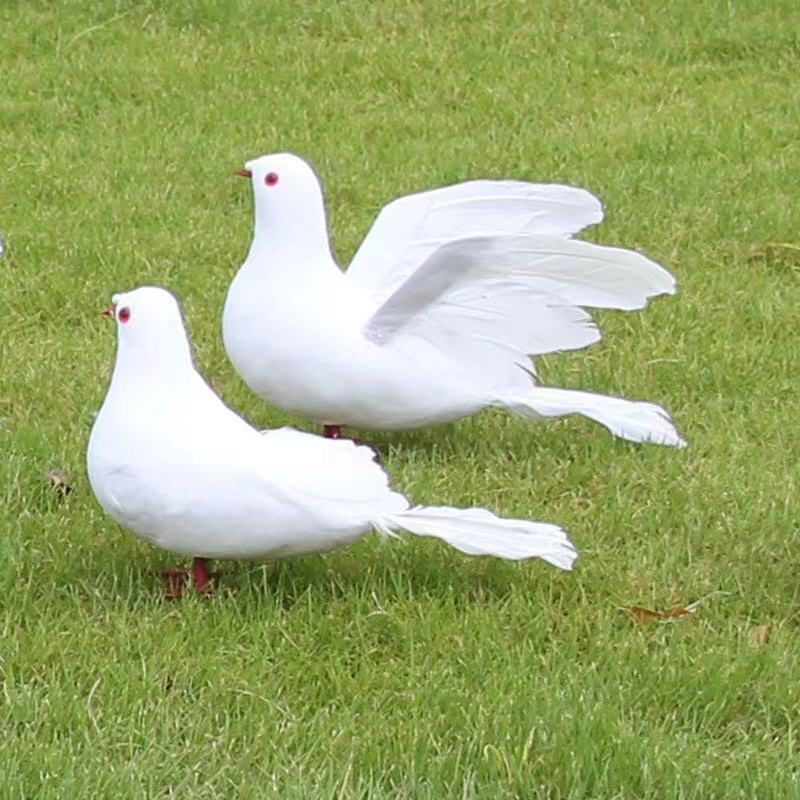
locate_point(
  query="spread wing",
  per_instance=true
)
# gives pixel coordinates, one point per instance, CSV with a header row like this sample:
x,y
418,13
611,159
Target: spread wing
x,y
408,230
480,296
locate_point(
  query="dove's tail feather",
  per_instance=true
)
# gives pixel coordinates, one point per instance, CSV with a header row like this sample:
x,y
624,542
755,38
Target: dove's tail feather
x,y
635,421
476,531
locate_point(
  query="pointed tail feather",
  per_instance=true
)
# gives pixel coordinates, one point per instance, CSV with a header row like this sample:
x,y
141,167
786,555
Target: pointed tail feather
x,y
476,531
635,421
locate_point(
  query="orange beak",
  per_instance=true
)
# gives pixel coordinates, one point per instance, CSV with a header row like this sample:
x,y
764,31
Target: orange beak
x,y
245,173
108,312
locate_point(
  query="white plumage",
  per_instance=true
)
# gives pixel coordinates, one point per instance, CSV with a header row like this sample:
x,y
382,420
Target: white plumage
x,y
438,314
168,460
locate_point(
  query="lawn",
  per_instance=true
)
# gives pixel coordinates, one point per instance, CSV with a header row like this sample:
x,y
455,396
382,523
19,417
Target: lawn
x,y
404,669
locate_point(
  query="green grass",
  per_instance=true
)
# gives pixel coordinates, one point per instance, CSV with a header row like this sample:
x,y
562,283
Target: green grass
x,y
405,670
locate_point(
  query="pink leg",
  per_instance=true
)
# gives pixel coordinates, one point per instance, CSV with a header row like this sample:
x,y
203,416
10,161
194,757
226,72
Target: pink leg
x,y
201,576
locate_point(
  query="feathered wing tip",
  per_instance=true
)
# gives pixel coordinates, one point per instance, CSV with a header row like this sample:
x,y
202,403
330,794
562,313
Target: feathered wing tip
x,y
631,420
476,531
409,228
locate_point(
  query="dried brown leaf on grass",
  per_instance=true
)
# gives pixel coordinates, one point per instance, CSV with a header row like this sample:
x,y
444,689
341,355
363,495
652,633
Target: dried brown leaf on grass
x,y
642,614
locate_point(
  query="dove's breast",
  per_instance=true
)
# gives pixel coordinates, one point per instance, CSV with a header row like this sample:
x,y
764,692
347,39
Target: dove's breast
x,y
295,345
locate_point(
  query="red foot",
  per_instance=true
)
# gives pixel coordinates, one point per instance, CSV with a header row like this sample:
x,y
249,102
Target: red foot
x,y
175,579
202,576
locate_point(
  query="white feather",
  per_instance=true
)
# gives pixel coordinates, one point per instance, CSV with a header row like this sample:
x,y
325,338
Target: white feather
x,y
476,531
490,302
410,228
499,278
635,421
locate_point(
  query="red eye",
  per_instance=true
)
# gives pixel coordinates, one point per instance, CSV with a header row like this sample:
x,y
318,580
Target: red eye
x,y
271,178
124,314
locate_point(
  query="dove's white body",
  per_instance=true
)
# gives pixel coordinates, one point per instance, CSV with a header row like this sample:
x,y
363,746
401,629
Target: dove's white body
x,y
316,361
168,460
209,485
429,324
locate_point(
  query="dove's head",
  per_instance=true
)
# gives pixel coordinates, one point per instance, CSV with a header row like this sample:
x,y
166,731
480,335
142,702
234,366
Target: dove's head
x,y
289,206
150,330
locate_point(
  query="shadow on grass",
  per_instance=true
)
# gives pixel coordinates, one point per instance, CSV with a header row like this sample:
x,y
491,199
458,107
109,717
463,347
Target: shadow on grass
x,y
367,576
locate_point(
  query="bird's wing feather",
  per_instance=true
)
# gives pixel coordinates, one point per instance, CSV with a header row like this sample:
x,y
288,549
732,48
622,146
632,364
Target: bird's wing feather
x,y
522,293
409,229
335,470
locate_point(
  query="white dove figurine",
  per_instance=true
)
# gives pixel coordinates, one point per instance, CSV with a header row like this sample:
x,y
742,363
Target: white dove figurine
x,y
440,310
171,462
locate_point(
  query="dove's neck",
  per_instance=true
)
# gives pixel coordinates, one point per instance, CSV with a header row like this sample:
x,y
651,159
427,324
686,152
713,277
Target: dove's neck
x,y
292,238
153,366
